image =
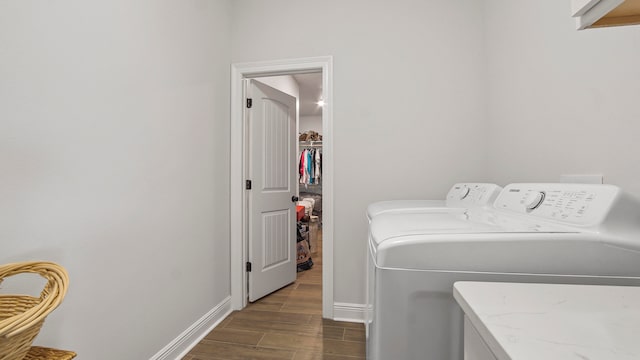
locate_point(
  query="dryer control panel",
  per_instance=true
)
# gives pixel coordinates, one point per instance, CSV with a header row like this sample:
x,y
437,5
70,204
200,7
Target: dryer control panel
x,y
576,204
466,194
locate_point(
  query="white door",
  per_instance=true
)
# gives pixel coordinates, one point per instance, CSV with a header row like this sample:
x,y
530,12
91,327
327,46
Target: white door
x,y
271,213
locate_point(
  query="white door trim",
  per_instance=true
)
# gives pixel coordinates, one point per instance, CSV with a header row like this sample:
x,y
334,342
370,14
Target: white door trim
x,y
240,71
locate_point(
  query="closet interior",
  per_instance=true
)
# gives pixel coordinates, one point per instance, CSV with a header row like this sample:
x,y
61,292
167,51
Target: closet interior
x,y
309,168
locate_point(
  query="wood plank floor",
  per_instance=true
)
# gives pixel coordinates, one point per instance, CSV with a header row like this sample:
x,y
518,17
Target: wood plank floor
x,y
287,324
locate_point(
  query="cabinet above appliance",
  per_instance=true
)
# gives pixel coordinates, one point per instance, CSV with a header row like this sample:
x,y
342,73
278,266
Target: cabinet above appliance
x,y
604,13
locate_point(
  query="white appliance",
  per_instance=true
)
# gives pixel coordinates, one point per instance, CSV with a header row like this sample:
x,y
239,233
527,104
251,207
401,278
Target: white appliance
x,y
459,196
543,233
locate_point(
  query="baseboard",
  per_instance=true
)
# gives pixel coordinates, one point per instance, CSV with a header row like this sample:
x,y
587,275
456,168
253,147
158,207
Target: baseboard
x,y
349,312
189,338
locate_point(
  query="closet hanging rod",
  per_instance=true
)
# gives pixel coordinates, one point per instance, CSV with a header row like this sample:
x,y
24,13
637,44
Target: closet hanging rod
x,y
310,143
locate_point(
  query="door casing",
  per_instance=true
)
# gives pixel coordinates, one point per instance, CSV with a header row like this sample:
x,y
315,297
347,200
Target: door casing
x,y
238,230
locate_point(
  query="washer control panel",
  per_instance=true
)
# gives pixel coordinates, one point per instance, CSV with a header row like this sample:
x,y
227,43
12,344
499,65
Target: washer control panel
x,y
579,204
468,194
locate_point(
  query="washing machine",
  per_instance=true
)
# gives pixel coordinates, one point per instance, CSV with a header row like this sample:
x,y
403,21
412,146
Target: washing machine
x,y
460,195
540,233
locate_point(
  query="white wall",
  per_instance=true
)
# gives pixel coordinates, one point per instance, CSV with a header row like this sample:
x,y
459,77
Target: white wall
x,y
408,105
311,123
561,101
114,157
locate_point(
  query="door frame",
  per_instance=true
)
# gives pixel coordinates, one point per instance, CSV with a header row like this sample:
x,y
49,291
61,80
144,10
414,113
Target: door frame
x,y
238,230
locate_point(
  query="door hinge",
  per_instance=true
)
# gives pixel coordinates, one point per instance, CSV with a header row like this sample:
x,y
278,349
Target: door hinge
x,y
247,184
249,103
248,266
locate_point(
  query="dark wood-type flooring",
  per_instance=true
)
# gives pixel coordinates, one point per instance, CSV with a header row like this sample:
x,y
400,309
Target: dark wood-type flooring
x,y
287,324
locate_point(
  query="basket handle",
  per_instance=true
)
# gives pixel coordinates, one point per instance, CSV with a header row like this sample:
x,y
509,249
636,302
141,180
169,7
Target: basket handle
x,y
50,297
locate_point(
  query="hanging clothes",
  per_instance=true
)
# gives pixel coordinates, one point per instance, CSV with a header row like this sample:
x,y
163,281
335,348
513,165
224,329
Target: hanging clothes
x,y
304,173
310,166
317,162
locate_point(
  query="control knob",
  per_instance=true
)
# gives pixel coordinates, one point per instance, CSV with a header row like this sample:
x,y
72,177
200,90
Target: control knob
x,y
464,192
533,200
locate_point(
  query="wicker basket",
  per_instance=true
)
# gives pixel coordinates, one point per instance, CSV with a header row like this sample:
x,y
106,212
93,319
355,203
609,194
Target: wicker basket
x,y
21,316
43,353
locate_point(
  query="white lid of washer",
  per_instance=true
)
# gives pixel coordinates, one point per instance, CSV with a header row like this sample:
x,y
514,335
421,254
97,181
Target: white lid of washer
x,y
514,253
455,221
501,243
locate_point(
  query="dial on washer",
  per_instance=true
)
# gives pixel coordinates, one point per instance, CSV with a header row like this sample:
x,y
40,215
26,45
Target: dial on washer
x,y
464,192
534,200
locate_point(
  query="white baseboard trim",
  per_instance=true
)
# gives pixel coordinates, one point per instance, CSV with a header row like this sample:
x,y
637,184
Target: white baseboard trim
x,y
180,346
349,312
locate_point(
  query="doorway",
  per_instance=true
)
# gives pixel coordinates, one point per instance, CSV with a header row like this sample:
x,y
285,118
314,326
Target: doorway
x,y
309,169
239,236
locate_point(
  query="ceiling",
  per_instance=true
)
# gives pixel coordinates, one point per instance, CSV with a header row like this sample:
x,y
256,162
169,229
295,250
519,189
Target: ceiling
x,y
310,92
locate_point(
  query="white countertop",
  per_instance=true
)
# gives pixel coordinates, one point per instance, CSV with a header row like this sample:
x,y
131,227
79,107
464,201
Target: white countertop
x,y
549,321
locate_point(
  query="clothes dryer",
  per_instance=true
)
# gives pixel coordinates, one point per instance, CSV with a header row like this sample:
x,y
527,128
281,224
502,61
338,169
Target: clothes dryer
x,y
540,233
460,197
